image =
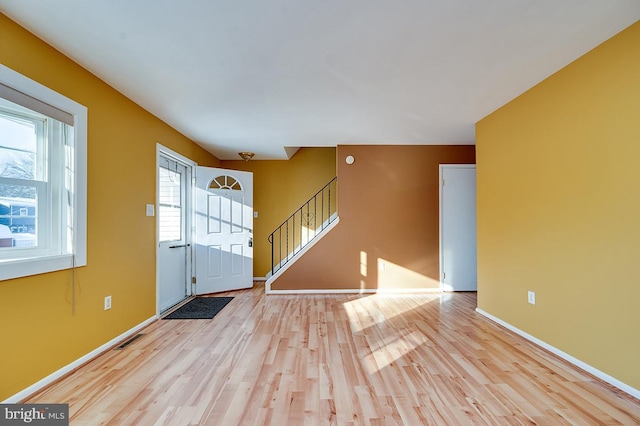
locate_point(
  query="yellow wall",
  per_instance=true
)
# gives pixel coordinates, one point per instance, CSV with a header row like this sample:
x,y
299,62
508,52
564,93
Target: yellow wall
x,y
279,188
41,333
559,211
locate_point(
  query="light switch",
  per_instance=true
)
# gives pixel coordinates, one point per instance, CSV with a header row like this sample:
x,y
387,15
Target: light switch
x,y
255,214
531,297
151,210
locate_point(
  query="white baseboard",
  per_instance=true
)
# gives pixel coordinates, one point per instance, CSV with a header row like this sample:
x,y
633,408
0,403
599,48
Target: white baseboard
x,y
580,364
25,393
421,290
259,278
386,291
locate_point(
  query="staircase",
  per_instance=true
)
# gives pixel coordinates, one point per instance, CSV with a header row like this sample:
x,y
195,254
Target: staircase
x,y
302,229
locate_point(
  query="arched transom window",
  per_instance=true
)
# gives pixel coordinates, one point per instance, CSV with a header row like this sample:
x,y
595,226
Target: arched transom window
x,y
225,182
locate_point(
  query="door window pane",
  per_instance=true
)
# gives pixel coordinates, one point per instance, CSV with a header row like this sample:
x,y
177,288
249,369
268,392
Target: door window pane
x,y
170,205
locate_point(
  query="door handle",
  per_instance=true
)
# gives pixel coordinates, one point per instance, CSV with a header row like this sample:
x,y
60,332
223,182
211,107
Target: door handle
x,y
180,245
250,242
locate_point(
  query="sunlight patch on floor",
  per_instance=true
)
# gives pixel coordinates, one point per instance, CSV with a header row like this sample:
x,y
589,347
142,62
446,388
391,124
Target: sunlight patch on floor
x,y
371,315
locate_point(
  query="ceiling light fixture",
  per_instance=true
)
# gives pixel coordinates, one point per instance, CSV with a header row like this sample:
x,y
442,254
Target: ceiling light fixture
x,y
246,155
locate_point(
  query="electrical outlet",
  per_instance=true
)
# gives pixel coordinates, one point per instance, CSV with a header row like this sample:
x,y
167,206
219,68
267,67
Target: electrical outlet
x,y
531,297
107,303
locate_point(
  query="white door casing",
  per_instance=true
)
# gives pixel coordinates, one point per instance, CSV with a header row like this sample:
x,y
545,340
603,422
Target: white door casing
x,y
458,258
223,230
174,219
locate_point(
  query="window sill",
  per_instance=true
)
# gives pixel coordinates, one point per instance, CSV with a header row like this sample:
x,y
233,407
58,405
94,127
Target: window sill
x,y
18,268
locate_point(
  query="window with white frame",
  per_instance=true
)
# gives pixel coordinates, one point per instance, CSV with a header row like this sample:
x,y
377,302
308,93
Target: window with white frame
x,y
42,178
170,201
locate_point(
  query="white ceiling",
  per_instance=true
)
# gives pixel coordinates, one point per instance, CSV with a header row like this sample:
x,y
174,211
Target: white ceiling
x,y
263,75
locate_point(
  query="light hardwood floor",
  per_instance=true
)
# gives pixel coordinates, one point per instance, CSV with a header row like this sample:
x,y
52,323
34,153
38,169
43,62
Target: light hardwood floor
x,y
337,359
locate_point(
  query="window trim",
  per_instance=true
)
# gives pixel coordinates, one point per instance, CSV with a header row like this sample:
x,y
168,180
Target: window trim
x,y
16,268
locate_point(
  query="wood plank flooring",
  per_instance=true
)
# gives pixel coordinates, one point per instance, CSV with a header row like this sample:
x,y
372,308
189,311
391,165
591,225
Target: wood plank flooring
x,y
337,360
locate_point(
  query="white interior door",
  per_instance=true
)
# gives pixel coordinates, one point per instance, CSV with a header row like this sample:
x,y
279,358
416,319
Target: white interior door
x,y
224,230
174,253
458,261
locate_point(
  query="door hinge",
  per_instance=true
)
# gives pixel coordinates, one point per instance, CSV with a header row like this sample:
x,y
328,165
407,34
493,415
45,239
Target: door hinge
x,y
193,280
444,275
442,182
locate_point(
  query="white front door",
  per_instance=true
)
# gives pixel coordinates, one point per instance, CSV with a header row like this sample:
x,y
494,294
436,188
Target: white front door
x,y
458,263
174,252
224,230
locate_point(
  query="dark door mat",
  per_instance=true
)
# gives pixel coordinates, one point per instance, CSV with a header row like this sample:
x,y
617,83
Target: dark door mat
x,y
200,308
